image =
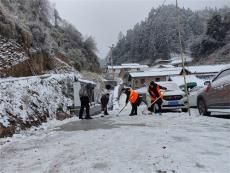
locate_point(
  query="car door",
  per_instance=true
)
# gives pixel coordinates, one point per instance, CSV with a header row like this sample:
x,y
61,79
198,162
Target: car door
x,y
226,89
193,96
217,94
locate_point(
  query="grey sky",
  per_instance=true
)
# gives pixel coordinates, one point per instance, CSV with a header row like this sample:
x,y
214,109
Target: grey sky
x,y
104,19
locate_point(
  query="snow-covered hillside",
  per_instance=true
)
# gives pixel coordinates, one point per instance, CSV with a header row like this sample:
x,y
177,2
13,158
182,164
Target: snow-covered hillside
x,y
11,53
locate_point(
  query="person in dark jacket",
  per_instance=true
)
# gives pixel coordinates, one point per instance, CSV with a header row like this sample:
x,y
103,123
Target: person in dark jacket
x,y
104,103
156,96
134,99
85,100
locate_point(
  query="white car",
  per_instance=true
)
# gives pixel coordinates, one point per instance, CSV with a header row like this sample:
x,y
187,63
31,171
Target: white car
x,y
174,98
193,95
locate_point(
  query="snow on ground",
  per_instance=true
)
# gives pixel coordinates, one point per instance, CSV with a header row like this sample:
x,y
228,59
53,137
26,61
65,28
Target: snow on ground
x,y
173,142
115,98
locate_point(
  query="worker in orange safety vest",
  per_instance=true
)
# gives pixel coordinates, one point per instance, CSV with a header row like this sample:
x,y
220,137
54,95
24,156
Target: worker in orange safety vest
x,y
156,96
134,98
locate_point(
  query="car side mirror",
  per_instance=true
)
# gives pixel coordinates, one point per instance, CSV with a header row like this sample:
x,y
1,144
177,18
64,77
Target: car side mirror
x,y
207,82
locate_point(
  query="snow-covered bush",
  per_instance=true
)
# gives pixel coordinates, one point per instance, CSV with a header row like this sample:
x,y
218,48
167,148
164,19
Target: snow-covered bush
x,y
30,101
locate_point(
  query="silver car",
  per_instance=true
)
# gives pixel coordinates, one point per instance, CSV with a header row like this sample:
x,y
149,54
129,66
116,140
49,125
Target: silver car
x,y
216,96
193,96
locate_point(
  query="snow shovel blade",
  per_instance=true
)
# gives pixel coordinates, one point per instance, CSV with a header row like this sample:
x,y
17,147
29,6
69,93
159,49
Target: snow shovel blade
x,y
121,110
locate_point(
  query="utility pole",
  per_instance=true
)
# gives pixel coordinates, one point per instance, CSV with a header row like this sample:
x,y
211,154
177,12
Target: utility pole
x,y
181,53
111,58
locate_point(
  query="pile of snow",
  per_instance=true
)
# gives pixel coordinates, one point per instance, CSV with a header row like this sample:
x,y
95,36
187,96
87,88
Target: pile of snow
x,y
115,98
30,97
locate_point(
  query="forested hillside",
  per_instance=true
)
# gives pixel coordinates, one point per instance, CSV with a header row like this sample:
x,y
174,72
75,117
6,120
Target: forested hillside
x,y
40,32
157,36
214,45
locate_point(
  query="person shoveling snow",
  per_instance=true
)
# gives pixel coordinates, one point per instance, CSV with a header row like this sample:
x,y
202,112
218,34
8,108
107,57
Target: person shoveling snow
x,y
156,97
132,97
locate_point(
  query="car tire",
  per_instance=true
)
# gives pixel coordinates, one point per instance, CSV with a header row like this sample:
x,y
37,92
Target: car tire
x,y
202,108
184,110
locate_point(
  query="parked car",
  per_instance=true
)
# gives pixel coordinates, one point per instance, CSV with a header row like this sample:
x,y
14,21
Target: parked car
x,y
174,98
216,96
193,95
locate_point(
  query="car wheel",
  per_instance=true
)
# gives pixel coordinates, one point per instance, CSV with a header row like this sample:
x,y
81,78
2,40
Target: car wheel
x,y
203,108
184,110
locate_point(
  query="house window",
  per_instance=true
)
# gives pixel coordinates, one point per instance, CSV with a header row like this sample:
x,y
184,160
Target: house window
x,y
142,81
157,79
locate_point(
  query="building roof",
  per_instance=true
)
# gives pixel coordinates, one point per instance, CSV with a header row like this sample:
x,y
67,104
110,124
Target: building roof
x,y
164,69
154,73
128,66
205,68
166,66
179,80
176,59
86,81
226,67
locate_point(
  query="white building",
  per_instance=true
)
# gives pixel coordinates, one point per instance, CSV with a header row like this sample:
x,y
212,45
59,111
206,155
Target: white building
x,y
120,70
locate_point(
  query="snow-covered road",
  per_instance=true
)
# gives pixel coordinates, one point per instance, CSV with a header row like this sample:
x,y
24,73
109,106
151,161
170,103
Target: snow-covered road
x,y
173,142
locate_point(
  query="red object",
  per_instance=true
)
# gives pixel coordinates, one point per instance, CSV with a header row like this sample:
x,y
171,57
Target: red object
x,y
207,88
153,96
133,96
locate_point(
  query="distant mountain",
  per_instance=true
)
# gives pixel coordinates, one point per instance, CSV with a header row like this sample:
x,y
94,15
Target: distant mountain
x,y
157,36
44,39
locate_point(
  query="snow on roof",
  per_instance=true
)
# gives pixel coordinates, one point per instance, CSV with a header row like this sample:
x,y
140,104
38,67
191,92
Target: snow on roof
x,y
179,80
166,66
162,60
128,66
165,69
226,67
194,69
176,59
86,81
155,73
206,68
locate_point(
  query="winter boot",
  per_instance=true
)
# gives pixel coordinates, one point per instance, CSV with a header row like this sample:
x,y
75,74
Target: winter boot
x,y
88,117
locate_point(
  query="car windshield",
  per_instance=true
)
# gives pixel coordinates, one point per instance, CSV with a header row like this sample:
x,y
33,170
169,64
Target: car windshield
x,y
170,86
